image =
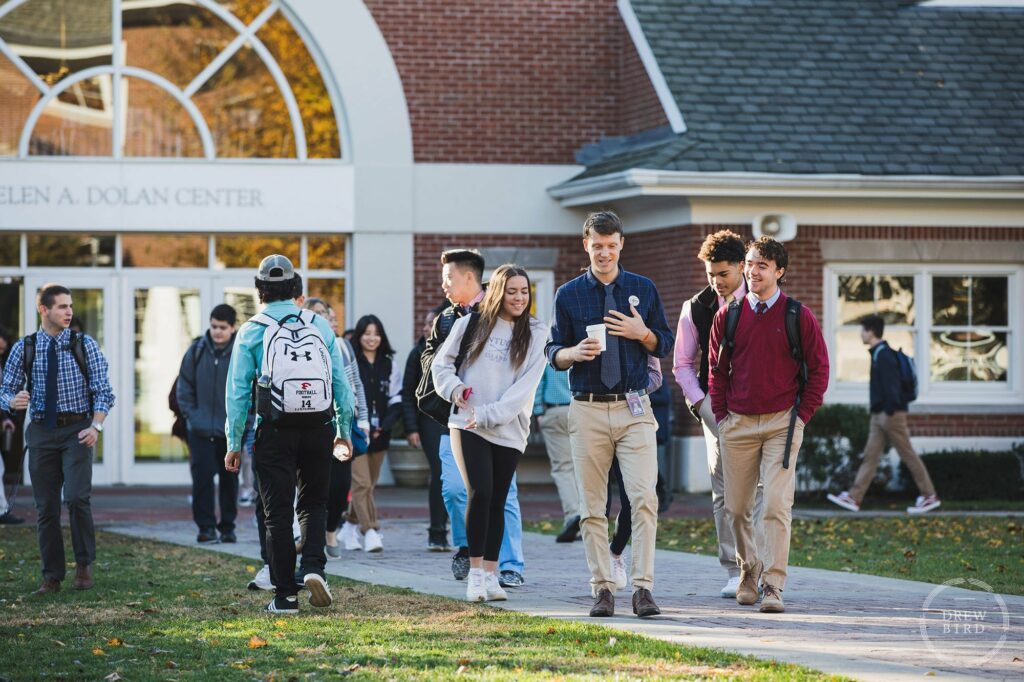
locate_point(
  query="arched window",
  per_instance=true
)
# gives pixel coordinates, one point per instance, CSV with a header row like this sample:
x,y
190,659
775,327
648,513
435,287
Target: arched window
x,y
161,78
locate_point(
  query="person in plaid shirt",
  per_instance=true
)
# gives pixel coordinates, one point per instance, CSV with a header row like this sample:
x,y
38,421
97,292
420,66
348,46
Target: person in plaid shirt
x,y
69,402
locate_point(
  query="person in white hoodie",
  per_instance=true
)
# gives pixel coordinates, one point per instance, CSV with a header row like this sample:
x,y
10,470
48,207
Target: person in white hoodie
x,y
491,380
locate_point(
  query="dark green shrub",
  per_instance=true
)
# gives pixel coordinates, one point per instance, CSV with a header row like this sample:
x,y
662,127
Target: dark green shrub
x,y
833,443
972,474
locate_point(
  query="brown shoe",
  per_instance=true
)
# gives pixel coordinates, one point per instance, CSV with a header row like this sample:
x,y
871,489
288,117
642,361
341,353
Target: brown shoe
x,y
643,603
604,607
771,602
83,577
746,593
48,587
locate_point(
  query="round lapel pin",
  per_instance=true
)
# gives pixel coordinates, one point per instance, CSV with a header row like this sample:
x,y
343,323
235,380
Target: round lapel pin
x,y
634,301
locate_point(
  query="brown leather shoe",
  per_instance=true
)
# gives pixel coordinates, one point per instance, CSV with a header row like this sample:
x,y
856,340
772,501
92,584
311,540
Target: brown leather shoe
x,y
643,603
746,593
604,607
48,587
83,577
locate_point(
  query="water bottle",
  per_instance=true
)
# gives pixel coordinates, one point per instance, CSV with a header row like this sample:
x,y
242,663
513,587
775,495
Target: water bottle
x,y
263,396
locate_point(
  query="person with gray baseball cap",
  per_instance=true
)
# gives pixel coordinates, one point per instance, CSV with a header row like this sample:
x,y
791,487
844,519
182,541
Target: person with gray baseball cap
x,y
297,431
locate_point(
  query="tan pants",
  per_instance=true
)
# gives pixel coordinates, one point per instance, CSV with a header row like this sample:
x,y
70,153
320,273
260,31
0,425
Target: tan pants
x,y
554,425
752,448
598,432
365,474
723,519
883,432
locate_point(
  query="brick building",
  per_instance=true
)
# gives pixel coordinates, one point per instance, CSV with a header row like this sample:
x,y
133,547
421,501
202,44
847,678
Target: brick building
x,y
364,137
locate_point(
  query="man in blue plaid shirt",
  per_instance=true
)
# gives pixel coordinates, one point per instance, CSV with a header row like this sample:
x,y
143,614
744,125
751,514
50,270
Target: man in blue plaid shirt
x,y
70,396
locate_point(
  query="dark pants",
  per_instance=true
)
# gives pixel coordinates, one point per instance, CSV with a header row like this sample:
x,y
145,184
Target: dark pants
x,y
337,498
261,521
285,457
56,459
490,469
207,461
624,521
430,437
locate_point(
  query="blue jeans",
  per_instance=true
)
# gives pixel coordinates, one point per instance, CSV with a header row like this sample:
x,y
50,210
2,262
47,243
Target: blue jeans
x,y
510,558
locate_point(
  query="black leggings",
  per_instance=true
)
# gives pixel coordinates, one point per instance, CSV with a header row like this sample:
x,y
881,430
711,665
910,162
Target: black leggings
x,y
624,521
337,494
489,468
430,437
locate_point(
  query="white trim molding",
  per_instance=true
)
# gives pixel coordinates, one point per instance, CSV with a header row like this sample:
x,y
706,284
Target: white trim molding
x,y
650,62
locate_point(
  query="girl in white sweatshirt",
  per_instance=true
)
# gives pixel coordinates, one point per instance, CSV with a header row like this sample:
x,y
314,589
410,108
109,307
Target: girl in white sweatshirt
x,y
492,393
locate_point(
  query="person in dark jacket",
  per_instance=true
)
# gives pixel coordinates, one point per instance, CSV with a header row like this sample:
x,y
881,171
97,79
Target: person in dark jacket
x,y
888,425
201,383
422,431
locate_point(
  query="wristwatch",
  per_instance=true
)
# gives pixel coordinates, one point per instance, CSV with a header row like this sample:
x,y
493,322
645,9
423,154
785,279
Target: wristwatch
x,y
98,427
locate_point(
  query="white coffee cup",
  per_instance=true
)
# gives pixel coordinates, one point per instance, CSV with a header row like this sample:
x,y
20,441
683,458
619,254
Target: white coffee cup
x,y
599,332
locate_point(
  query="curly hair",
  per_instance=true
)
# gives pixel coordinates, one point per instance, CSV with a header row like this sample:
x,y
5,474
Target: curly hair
x,y
771,249
723,246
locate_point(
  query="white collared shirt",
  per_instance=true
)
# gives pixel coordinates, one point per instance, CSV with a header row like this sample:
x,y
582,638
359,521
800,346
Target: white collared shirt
x,y
753,300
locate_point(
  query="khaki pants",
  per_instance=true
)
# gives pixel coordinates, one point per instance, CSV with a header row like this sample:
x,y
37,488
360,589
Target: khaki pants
x,y
723,519
883,432
554,425
752,447
365,473
598,432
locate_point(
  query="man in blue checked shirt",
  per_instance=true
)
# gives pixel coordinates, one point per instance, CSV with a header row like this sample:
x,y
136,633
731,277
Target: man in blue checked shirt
x,y
607,325
69,391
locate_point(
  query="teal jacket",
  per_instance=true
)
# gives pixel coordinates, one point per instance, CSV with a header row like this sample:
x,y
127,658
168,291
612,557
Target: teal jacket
x,y
247,358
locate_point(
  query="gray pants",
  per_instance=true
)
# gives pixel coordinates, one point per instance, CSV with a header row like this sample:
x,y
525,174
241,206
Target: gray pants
x,y
554,425
723,519
56,459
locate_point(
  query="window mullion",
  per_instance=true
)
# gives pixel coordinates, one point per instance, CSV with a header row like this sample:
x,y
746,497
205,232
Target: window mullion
x,y
116,128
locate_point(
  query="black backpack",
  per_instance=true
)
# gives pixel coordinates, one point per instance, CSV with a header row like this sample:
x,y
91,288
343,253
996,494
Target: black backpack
x,y
77,346
435,406
792,323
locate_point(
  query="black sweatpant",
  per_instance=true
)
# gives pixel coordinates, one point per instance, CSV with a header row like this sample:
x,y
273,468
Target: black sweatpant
x,y
430,437
337,494
285,457
206,460
624,521
490,469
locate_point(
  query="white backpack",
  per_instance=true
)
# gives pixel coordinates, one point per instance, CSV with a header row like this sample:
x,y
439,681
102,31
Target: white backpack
x,y
296,359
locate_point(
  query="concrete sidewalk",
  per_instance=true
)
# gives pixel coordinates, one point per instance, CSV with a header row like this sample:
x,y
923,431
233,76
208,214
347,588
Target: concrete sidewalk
x,y
861,626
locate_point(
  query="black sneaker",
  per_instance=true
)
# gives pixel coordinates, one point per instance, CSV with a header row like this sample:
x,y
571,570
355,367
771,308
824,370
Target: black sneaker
x,y
228,536
460,563
438,542
570,532
511,579
207,536
10,519
284,605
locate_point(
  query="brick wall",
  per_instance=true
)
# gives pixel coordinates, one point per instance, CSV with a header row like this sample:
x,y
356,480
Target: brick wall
x,y
514,82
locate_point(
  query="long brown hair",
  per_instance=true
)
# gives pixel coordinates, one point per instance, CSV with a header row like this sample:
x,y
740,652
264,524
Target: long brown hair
x,y
489,309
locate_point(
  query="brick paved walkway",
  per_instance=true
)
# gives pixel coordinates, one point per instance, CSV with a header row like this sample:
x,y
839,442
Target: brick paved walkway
x,y
861,626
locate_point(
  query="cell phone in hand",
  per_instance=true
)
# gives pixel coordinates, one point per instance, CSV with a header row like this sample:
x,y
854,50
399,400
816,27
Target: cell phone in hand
x,y
468,391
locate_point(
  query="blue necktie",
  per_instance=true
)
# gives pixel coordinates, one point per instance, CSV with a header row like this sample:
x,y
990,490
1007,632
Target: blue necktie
x,y
611,370
50,413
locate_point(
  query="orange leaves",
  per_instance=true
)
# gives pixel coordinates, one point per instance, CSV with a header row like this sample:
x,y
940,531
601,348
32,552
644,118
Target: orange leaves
x,y
257,642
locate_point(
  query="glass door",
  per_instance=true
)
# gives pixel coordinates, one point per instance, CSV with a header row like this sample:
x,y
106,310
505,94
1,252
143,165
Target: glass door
x,y
92,297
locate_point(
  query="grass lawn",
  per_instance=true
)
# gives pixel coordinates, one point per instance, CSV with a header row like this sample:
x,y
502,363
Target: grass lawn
x,y
167,612
931,549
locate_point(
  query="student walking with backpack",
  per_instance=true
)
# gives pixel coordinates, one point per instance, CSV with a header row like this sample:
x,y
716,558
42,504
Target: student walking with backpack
x,y
304,414
490,366
200,391
893,386
769,371
63,374
382,381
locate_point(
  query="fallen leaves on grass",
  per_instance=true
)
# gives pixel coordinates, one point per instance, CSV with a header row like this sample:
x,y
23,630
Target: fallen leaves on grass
x,y
115,641
98,652
256,642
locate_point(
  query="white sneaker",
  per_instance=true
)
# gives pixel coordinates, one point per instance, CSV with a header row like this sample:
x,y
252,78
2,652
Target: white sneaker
x,y
844,500
262,580
476,587
319,593
729,591
373,542
619,573
924,504
495,592
351,538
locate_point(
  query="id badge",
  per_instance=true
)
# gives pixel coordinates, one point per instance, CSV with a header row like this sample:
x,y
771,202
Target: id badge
x,y
636,407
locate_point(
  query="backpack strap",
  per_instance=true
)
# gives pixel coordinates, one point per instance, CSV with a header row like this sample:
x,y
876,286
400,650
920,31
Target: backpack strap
x,y
792,322
77,346
728,342
28,358
263,320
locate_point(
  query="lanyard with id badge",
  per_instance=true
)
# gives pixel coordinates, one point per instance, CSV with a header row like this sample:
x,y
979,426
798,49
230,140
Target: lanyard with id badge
x,y
636,406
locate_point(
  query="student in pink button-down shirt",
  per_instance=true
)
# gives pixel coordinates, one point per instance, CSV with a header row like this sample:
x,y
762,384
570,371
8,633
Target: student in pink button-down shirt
x,y
723,254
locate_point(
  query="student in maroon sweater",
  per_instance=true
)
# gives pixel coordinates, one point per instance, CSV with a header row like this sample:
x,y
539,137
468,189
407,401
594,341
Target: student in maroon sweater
x,y
753,389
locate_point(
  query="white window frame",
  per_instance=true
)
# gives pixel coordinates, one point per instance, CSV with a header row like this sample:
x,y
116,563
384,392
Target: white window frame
x,y
946,393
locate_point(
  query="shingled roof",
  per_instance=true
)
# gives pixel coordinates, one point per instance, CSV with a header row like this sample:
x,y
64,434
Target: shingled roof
x,y
866,87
